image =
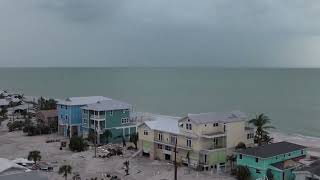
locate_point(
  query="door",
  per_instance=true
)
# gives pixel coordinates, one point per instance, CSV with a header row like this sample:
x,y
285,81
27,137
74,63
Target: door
x,y
167,157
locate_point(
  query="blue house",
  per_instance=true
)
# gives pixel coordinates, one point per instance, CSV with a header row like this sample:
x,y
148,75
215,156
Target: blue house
x,y
276,161
109,115
70,116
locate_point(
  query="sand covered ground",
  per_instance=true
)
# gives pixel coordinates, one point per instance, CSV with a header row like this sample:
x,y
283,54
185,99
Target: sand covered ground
x,y
17,145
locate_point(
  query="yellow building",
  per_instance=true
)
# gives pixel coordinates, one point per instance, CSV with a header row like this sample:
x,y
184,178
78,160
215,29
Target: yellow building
x,y
203,140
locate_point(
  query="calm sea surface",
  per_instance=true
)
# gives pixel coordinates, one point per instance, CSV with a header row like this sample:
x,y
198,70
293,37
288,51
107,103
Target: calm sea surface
x,y
291,97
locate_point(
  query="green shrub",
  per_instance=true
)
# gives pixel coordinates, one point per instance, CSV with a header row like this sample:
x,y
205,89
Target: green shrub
x,y
77,144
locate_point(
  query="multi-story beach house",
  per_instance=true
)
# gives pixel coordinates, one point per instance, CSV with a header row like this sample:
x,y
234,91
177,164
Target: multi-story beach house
x,y
70,115
203,140
277,160
109,115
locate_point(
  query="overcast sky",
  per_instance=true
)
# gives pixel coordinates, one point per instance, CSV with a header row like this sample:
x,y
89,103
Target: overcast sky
x,y
277,33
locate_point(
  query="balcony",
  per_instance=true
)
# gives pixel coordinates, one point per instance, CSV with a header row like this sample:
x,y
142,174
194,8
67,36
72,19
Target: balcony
x,y
98,117
211,135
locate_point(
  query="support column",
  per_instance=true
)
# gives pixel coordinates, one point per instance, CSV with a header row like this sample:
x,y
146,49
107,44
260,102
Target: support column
x,y
98,133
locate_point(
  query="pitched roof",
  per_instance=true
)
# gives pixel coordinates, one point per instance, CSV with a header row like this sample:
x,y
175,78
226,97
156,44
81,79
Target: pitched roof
x,y
6,164
107,105
73,101
4,102
313,168
287,164
164,123
33,175
212,117
49,113
271,150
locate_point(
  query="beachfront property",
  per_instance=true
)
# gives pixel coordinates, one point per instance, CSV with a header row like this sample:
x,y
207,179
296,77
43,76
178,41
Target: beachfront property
x,y
278,160
70,114
112,115
203,140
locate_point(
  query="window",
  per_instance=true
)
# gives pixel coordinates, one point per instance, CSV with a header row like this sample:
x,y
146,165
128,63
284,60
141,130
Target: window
x,y
61,106
124,120
240,156
168,148
215,124
189,142
258,171
302,152
215,141
61,116
66,107
173,139
181,125
66,117
145,132
188,126
111,113
289,154
250,136
257,159
160,136
159,146
205,125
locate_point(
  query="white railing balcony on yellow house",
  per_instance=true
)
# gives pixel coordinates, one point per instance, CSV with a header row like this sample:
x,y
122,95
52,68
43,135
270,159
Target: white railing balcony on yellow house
x,y
212,134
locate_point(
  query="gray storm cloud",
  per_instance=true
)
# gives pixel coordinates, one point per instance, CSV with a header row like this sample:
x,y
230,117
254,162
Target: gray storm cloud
x,y
159,33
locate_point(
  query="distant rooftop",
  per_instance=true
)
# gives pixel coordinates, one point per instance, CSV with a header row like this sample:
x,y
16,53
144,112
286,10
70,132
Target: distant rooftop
x,y
164,123
73,101
212,117
4,102
313,168
270,150
107,105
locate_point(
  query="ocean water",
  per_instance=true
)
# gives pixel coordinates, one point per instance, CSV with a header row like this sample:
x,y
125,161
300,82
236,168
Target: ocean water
x,y
290,97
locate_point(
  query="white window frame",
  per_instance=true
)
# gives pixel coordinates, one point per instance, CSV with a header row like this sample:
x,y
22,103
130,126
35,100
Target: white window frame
x,y
124,120
160,136
189,142
145,132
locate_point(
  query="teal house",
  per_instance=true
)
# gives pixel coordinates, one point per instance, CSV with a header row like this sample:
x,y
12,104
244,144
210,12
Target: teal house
x,y
69,114
276,161
109,115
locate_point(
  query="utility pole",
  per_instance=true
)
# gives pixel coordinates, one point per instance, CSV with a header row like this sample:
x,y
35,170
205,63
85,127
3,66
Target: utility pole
x,y
175,161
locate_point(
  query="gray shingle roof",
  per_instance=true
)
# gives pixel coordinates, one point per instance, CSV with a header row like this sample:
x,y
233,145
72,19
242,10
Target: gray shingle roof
x,y
212,117
72,101
271,150
107,105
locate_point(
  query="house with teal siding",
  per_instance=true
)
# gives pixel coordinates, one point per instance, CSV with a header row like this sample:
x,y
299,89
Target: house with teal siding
x,y
278,160
109,115
70,116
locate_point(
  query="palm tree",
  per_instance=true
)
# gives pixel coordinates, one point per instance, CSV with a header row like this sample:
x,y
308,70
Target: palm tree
x,y
65,170
262,123
35,156
267,139
107,134
241,145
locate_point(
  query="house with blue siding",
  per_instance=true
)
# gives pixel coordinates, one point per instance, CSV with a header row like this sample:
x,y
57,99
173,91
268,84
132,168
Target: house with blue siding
x,y
277,160
70,116
112,115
